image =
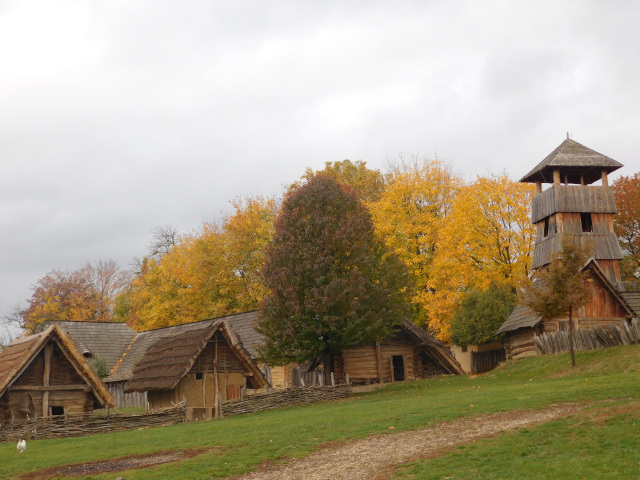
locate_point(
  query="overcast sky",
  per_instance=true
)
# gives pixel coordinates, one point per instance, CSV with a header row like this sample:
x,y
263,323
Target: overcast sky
x,y
120,116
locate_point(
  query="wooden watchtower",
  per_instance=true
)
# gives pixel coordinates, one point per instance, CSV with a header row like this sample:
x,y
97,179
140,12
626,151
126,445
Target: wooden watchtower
x,y
572,207
575,207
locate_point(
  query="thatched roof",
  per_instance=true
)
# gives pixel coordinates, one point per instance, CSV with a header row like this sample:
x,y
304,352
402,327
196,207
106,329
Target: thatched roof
x,y
574,160
171,357
100,339
242,324
15,359
433,348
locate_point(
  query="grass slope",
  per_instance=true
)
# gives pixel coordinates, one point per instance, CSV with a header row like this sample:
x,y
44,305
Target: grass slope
x,y
602,442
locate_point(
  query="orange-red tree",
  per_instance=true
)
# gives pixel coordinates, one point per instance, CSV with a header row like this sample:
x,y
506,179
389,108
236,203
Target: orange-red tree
x,y
84,295
627,221
332,284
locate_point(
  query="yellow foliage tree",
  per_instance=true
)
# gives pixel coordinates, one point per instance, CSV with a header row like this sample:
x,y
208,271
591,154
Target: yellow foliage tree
x,y
205,275
367,183
488,239
409,216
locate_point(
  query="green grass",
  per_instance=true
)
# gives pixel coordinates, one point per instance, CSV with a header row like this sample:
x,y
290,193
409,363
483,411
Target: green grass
x,y
239,444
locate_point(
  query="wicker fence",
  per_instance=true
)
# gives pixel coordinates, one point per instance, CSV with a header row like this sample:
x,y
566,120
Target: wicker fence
x,y
287,397
78,426
590,338
60,427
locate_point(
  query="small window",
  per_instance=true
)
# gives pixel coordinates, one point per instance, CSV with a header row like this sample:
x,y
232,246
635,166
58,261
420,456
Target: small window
x,y
546,227
57,410
587,225
199,375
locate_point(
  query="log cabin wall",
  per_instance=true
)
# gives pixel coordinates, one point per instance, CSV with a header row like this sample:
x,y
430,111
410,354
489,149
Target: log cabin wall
x,y
78,399
361,363
520,344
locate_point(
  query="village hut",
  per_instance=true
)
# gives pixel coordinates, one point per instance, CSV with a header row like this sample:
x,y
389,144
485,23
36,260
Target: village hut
x,y
205,366
44,375
105,341
606,306
408,354
572,207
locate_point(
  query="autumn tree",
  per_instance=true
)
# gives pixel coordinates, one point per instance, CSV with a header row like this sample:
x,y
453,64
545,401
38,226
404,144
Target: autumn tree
x,y
562,286
84,295
487,239
207,274
627,222
367,183
332,284
409,217
481,314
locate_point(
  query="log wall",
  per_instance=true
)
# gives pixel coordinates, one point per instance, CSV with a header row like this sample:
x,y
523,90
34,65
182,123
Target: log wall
x,y
361,363
520,344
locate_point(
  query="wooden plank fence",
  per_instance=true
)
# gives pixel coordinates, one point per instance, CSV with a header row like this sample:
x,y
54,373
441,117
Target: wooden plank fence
x,y
124,400
590,338
482,362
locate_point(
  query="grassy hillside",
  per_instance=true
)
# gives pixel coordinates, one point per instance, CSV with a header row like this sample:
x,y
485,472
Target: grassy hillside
x,y
603,438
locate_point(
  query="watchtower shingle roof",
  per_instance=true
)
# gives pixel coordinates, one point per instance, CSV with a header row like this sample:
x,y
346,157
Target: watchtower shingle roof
x,y
573,160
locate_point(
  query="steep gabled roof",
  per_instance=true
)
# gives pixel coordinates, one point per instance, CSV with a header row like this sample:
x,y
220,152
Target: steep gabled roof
x,y
521,317
433,348
242,323
15,359
100,339
524,317
573,159
171,357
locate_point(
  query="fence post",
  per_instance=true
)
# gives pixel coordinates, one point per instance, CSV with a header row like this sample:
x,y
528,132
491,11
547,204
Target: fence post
x,y
333,380
347,379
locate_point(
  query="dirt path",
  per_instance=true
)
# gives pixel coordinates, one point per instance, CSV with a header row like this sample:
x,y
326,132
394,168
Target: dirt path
x,y
370,457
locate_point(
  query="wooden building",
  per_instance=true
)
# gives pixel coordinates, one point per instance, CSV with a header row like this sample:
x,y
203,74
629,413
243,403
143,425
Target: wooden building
x,y
206,365
45,375
572,207
106,341
409,354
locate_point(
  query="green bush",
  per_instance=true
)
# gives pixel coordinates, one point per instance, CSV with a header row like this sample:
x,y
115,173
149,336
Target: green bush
x,y
480,314
100,367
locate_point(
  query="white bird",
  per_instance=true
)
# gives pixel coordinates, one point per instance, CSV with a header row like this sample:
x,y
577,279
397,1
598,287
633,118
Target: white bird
x,y
22,446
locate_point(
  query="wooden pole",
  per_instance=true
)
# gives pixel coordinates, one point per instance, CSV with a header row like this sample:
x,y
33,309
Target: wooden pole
x,y
48,352
216,395
571,349
204,388
379,362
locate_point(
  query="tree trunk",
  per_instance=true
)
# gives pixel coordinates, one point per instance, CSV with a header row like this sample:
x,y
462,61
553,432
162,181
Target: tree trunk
x,y
328,368
571,349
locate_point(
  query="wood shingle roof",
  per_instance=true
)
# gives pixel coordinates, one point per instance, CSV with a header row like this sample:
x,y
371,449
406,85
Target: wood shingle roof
x,y
574,160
